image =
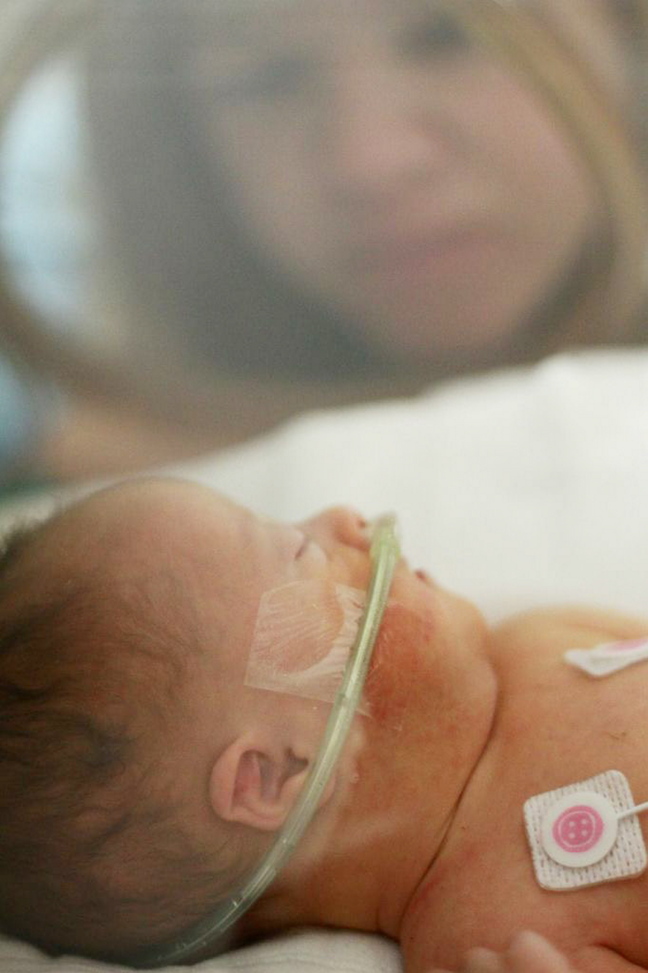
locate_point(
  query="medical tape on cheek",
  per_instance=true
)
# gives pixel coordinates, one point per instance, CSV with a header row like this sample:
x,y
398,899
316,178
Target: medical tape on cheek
x,y
303,637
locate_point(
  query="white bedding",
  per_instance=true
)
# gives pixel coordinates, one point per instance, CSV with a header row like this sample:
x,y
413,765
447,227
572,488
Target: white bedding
x,y
308,951
518,488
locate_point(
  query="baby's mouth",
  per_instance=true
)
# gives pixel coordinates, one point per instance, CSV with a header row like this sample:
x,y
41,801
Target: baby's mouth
x,y
424,577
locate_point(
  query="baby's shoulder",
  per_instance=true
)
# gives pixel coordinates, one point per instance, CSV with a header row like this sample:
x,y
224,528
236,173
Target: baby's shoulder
x,y
543,663
541,636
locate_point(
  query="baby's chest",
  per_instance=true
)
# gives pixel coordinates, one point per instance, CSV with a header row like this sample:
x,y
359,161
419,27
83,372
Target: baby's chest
x,y
523,852
562,735
486,905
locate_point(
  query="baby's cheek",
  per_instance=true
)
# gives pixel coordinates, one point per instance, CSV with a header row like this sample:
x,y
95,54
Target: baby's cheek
x,y
402,671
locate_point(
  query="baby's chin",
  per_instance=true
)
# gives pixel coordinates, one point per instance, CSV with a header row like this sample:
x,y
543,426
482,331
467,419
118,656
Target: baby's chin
x,y
429,653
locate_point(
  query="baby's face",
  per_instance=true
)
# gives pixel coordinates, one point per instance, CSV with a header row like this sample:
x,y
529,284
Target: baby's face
x,y
427,701
224,559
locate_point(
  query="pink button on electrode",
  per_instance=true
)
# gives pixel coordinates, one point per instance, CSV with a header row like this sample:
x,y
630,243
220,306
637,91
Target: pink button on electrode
x,y
579,829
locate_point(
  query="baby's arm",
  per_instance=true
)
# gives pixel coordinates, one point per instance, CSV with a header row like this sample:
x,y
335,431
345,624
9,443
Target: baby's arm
x,y
530,953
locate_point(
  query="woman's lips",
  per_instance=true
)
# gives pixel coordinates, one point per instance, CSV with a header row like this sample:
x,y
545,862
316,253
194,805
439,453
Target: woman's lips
x,y
399,257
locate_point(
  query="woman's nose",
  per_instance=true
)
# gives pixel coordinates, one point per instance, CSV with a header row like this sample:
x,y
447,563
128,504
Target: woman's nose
x,y
375,138
342,524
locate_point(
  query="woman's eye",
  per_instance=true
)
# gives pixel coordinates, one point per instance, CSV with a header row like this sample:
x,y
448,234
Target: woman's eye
x,y
436,37
272,79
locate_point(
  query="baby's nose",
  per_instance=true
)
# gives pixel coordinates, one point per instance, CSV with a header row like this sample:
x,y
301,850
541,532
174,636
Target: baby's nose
x,y
342,524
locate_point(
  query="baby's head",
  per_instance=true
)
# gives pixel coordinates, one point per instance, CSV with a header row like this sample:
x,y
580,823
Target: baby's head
x,y
97,646
141,774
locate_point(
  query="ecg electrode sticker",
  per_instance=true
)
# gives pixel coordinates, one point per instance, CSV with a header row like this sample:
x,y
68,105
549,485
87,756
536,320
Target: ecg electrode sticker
x,y
302,639
586,833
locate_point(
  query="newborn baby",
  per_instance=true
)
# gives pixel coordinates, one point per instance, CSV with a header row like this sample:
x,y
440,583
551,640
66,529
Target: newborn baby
x,y
141,774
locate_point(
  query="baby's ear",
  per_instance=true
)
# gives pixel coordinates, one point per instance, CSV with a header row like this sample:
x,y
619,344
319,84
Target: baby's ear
x,y
256,783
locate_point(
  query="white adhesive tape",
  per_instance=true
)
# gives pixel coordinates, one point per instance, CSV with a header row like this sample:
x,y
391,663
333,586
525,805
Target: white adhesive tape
x,y
302,639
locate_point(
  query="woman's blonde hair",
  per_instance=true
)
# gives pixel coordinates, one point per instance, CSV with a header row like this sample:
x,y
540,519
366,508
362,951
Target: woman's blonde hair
x,y
608,129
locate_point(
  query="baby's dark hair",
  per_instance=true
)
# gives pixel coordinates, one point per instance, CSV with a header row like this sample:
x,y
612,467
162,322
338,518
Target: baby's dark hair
x,y
94,858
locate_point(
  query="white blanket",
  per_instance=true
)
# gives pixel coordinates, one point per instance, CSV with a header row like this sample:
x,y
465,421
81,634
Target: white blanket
x,y
518,488
308,951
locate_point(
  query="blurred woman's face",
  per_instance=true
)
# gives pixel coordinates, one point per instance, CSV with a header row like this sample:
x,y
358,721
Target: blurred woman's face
x,y
398,173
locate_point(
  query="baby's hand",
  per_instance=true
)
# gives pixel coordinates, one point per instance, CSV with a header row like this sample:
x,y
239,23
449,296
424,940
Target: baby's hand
x,y
528,953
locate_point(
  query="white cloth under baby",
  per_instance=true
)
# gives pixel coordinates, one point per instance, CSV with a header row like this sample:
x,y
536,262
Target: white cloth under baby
x,y
586,833
610,657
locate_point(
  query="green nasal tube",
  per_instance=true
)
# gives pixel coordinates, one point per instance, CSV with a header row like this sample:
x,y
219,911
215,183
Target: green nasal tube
x,y
385,552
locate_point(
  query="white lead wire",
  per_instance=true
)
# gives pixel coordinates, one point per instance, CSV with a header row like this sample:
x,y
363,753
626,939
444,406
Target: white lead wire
x,y
637,809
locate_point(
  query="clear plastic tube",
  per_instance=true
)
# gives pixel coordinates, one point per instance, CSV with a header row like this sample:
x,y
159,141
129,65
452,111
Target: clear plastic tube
x,y
385,551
